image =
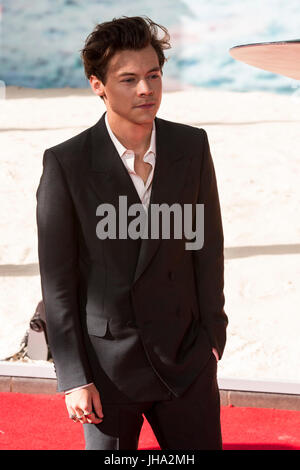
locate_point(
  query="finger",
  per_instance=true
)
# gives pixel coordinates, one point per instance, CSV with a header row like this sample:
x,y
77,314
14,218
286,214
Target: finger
x,y
90,416
73,418
87,413
80,415
72,413
92,419
82,420
86,409
97,405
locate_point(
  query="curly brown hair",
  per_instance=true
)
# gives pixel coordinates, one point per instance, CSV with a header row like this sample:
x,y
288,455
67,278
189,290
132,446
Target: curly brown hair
x,y
121,34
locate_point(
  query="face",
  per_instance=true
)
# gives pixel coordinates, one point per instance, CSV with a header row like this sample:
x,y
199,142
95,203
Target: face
x,y
133,87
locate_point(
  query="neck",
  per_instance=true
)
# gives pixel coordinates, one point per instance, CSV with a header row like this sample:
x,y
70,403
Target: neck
x,y
132,135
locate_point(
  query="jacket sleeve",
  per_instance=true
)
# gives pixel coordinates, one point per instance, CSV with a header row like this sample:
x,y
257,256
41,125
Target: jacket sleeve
x,y
58,262
209,260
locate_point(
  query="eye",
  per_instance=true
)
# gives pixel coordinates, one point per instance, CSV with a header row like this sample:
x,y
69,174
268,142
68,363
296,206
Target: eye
x,y
128,80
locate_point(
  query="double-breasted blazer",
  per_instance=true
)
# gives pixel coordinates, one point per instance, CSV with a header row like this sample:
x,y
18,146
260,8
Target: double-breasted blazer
x,y
118,307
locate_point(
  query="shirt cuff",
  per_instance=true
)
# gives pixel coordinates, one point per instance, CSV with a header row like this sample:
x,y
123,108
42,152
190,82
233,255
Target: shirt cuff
x,y
77,388
215,353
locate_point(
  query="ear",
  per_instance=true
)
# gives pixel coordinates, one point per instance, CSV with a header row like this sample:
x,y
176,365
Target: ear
x,y
97,86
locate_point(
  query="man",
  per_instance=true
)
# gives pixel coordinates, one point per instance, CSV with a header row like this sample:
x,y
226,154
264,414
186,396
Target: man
x,y
135,324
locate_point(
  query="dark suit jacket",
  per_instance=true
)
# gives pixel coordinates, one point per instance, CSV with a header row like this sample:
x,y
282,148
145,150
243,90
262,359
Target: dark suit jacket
x,y
116,306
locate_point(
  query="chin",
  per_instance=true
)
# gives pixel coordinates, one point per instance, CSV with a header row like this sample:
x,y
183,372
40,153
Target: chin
x,y
146,120
146,117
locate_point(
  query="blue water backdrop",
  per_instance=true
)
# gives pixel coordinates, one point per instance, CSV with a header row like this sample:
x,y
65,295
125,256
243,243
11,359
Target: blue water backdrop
x,y
40,40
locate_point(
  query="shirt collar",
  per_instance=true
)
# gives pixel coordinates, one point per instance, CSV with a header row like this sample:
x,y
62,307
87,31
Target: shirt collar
x,y
120,147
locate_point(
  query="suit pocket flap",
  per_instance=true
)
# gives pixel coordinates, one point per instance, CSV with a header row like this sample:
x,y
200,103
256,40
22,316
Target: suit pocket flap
x,y
97,326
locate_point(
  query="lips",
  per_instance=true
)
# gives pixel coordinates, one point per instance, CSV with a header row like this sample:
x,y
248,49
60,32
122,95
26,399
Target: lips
x,y
145,105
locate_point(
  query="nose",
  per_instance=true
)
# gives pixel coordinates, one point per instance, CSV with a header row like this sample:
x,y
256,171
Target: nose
x,y
144,88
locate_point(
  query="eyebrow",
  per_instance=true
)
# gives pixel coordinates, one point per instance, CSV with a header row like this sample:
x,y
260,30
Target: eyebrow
x,y
154,69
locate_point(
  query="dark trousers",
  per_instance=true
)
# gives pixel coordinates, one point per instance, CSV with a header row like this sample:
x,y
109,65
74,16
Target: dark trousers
x,y
188,422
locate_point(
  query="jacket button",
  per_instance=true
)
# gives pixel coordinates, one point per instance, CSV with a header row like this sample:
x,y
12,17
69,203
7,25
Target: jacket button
x,y
171,276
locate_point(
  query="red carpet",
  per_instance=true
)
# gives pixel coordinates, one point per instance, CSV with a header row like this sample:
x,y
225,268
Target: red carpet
x,y
40,422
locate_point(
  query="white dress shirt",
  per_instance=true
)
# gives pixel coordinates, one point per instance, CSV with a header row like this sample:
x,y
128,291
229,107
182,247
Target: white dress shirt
x,y
143,189
127,157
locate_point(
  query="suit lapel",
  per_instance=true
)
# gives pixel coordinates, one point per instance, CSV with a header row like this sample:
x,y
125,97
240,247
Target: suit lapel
x,y
109,178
